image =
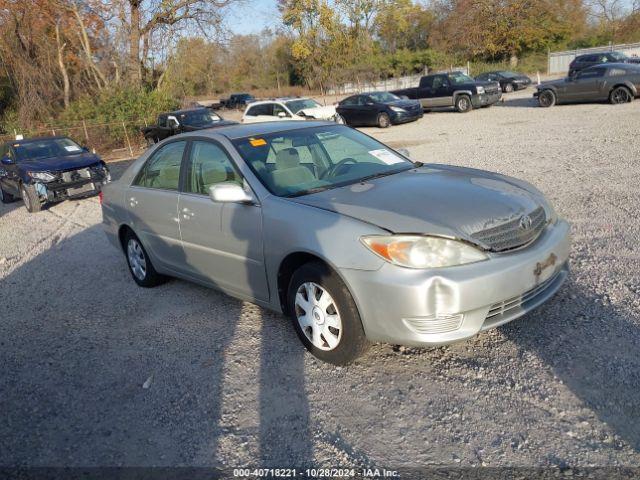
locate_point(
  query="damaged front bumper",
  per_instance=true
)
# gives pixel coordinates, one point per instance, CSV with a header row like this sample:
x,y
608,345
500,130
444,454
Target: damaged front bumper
x,y
66,188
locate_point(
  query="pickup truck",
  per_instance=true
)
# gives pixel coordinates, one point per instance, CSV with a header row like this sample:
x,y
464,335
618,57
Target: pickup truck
x,y
237,100
180,121
453,89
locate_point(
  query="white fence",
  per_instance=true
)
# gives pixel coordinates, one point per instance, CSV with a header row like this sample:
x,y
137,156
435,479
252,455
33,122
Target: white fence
x,y
559,61
397,83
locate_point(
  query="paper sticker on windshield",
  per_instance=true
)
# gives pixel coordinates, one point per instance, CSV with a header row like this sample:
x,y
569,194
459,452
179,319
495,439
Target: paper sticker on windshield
x,y
386,156
257,142
72,148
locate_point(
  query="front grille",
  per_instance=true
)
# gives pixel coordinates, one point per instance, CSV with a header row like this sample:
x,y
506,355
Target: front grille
x,y
76,175
513,234
507,306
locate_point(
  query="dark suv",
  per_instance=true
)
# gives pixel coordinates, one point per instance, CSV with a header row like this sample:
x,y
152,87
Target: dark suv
x,y
49,169
583,61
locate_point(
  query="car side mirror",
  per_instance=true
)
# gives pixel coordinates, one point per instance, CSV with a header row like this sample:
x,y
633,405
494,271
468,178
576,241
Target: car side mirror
x,y
6,160
173,122
282,115
229,192
404,152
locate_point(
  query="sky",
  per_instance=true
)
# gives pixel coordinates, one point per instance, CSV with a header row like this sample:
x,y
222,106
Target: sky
x,y
252,16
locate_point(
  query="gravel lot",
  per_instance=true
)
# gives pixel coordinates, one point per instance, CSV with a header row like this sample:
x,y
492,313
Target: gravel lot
x,y
96,371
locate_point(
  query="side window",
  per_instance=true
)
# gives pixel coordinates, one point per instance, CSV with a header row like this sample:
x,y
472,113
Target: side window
x,y
362,99
440,81
426,82
484,76
162,121
277,108
264,109
162,170
603,58
350,101
209,165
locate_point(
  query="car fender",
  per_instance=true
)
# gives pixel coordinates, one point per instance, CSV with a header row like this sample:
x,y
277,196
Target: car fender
x,y
457,93
625,83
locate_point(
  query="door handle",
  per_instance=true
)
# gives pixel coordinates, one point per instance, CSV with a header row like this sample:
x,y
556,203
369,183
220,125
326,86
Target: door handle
x,y
186,213
133,202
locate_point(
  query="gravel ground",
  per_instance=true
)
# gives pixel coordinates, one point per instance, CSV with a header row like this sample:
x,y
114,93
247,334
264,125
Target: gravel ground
x,y
98,372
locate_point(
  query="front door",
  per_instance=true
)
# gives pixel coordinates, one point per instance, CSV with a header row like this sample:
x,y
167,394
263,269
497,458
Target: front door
x,y
152,203
222,241
443,96
587,84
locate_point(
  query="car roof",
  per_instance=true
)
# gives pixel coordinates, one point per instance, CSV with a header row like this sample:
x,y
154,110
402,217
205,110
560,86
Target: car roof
x,y
188,110
242,130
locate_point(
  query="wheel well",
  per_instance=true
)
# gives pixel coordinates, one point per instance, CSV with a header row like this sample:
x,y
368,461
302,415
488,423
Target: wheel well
x,y
623,85
122,232
288,266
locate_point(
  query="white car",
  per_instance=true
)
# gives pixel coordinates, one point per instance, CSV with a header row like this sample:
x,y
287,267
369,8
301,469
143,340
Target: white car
x,y
289,109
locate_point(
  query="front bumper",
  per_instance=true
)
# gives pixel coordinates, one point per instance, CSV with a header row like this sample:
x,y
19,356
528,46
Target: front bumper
x,y
59,191
406,117
484,99
436,307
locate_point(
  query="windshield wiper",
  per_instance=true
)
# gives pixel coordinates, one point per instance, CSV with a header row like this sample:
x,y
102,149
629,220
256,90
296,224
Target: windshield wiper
x,y
310,191
378,175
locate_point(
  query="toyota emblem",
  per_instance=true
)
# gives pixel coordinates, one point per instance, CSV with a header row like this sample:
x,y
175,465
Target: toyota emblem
x,y
526,222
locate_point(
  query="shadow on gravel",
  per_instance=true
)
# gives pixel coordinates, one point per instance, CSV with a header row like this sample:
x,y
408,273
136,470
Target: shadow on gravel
x,y
593,348
518,103
97,371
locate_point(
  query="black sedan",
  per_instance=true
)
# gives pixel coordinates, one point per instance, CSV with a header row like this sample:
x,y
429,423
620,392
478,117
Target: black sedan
x,y
50,169
378,109
509,81
613,82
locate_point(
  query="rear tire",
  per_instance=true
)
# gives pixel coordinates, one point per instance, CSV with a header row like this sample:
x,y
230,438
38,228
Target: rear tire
x,y
383,120
140,266
547,98
509,88
325,315
621,95
463,104
6,197
30,198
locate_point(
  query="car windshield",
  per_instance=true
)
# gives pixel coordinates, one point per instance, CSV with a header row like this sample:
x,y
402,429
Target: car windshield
x,y
46,148
509,74
618,56
200,118
458,78
384,97
296,105
309,160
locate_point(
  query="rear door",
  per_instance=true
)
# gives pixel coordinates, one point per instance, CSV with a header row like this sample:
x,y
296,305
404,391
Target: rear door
x,y
152,202
348,109
222,241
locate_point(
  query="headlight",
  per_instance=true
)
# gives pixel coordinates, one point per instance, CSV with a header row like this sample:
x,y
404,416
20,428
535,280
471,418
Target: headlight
x,y
480,90
414,251
398,109
43,176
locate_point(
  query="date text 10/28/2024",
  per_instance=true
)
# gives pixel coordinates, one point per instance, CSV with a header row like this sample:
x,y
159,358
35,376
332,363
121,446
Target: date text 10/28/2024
x,y
314,473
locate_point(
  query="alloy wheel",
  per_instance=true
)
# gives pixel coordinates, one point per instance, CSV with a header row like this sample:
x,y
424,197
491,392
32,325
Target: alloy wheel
x,y
621,95
25,199
137,260
318,316
463,104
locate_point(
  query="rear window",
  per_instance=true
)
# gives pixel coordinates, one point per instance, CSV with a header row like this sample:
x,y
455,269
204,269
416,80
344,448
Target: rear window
x,y
264,109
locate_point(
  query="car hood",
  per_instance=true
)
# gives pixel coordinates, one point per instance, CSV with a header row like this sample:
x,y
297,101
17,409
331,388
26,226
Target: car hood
x,y
69,162
321,113
550,83
435,200
403,103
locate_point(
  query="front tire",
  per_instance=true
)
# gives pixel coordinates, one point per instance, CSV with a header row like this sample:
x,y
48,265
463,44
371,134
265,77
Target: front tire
x,y
140,266
325,315
383,120
621,95
547,99
463,104
509,88
30,198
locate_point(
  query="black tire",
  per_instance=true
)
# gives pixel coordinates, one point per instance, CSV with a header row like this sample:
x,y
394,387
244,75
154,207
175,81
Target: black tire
x,y
508,88
620,95
6,197
148,277
547,98
30,198
352,342
463,104
383,120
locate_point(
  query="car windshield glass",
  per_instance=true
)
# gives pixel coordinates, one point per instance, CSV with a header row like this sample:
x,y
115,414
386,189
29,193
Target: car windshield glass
x,y
199,118
618,56
458,78
309,160
296,105
383,97
46,148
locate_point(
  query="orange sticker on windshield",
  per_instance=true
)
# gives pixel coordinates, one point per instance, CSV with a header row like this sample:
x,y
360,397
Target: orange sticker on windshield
x,y
257,142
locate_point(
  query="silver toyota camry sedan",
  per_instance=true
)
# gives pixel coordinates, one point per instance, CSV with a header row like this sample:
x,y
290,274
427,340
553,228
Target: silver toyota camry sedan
x,y
351,239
